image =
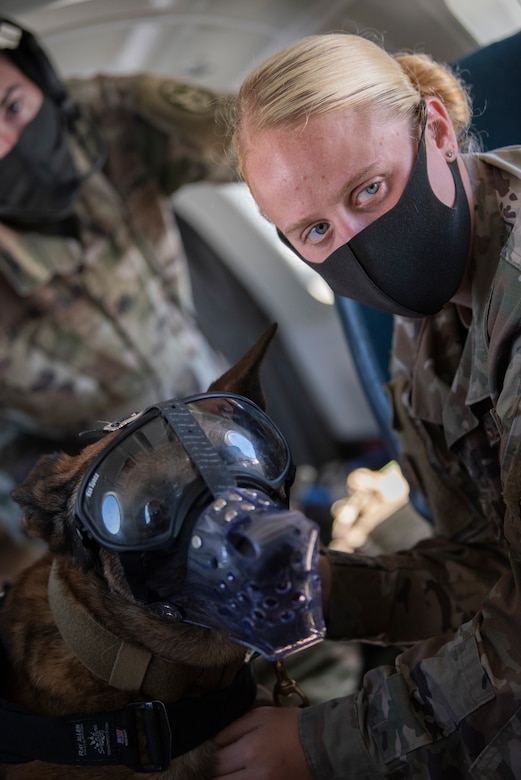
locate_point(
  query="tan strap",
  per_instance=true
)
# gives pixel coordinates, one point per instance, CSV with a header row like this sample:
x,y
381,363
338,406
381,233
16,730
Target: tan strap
x,y
131,663
122,665
98,649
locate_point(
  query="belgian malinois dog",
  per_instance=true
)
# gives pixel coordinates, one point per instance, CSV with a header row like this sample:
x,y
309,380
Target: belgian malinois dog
x,y
82,653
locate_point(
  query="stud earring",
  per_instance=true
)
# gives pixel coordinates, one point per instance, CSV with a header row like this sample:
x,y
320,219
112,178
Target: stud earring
x,y
450,154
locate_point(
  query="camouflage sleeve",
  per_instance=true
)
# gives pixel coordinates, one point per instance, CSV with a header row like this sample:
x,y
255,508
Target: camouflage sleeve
x,y
447,709
408,596
177,127
431,589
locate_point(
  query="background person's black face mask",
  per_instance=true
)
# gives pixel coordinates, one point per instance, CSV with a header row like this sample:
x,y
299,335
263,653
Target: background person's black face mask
x,y
38,178
411,260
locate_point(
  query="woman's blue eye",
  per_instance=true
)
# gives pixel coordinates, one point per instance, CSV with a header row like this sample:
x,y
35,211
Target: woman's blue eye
x,y
368,192
318,231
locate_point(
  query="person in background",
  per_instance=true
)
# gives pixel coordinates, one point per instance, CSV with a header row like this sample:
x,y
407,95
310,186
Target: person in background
x,y
96,311
363,161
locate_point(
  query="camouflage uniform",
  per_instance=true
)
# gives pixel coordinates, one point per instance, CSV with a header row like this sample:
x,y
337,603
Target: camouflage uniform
x,y
99,322
451,705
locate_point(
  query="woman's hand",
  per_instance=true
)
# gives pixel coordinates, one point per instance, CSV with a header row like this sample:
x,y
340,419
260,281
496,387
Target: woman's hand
x,y
262,745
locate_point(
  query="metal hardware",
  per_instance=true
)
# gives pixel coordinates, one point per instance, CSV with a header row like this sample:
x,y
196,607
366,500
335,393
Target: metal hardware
x,y
285,687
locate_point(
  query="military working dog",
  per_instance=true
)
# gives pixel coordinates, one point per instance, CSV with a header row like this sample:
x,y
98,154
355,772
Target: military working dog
x,y
98,685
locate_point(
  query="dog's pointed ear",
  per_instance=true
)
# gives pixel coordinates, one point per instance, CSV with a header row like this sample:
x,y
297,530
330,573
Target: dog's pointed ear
x,y
47,497
244,377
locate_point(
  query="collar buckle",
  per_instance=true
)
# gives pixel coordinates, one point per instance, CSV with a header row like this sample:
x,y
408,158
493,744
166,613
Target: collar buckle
x,y
152,720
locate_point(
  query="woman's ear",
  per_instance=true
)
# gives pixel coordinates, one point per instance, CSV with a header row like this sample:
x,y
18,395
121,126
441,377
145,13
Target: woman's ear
x,y
440,129
442,150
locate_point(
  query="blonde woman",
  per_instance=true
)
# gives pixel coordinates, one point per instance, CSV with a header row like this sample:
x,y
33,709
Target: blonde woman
x,y
363,162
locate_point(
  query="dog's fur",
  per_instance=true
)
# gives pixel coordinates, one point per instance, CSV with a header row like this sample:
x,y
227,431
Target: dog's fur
x,y
45,677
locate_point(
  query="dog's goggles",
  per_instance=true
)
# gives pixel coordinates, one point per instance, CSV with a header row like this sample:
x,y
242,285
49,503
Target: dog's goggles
x,y
138,492
193,496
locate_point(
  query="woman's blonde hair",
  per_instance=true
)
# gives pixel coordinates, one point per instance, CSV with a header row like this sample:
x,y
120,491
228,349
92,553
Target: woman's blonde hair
x,y
339,71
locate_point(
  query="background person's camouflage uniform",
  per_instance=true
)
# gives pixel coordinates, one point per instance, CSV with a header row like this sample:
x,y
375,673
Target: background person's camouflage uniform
x,y
451,706
99,322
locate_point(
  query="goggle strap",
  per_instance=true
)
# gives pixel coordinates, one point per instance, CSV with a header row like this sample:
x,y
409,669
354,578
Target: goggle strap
x,y
200,450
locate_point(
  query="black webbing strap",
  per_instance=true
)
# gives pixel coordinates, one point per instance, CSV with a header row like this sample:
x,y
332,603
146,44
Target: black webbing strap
x,y
202,453
109,738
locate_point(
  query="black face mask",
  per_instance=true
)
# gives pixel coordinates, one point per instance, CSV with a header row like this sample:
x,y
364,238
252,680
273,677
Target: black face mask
x,y
411,260
39,179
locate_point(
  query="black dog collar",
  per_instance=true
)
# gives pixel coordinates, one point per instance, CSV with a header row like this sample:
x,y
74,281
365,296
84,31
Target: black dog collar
x,y
113,738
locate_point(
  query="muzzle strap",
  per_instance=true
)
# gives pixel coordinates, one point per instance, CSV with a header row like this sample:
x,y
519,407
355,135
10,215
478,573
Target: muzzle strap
x,y
130,665
124,666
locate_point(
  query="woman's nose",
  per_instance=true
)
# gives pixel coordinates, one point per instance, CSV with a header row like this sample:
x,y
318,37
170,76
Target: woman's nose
x,y
347,226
